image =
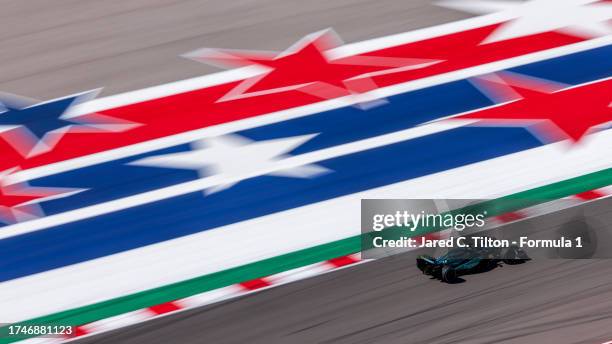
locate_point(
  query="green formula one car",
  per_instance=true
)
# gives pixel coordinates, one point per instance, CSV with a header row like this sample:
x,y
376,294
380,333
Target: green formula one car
x,y
468,260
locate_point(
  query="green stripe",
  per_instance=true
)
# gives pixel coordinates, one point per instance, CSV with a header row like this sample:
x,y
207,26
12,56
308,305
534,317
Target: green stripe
x,y
274,265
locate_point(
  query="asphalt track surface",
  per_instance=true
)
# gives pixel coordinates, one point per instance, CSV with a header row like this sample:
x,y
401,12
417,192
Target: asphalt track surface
x,y
54,48
390,301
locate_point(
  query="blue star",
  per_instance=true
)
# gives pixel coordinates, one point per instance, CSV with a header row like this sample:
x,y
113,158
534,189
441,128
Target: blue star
x,y
33,127
41,118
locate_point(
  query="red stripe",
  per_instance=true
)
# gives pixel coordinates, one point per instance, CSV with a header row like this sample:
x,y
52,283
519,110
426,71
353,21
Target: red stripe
x,y
590,195
342,261
255,284
433,236
509,217
78,331
164,308
199,109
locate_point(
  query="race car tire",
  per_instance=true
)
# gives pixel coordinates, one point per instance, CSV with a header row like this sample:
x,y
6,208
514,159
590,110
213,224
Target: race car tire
x,y
424,265
449,274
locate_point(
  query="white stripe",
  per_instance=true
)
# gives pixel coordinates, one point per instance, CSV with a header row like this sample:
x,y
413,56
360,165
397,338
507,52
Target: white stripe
x,y
241,243
302,111
607,191
211,296
299,273
42,340
215,180
117,321
419,35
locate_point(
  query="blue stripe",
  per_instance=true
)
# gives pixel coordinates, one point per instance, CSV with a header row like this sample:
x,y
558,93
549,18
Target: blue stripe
x,y
573,69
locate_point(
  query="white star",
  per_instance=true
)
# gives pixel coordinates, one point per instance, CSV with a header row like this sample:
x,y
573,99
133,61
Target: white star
x,y
235,158
583,18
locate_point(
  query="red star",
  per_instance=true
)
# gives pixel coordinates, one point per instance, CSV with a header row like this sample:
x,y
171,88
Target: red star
x,y
308,66
572,111
8,200
15,206
18,201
